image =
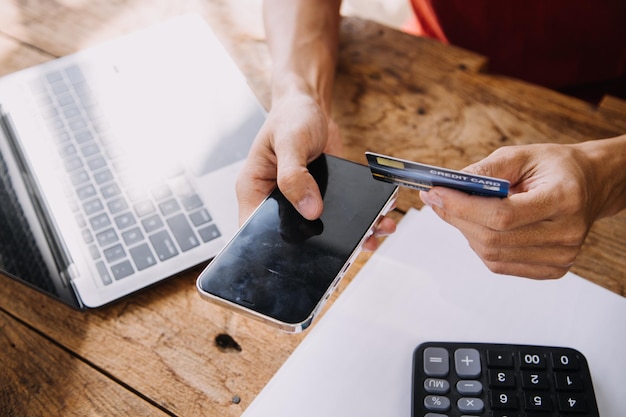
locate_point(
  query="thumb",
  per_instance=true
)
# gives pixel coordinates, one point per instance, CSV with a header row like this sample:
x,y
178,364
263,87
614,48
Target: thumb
x,y
299,187
505,163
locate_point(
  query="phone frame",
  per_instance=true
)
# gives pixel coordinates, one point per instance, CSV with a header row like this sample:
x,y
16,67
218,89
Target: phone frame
x,y
302,325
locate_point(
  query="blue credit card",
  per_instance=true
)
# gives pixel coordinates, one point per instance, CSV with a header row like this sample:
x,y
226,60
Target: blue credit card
x,y
424,177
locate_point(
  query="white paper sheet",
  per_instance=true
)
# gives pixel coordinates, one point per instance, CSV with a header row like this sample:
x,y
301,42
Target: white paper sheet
x,y
423,284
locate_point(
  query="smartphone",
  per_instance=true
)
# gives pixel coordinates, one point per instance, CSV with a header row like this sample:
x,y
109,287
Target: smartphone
x,y
280,267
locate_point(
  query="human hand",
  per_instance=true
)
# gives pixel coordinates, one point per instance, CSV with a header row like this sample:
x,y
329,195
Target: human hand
x,y
557,192
296,132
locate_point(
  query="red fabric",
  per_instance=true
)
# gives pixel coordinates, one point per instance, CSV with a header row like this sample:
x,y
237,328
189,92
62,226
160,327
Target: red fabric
x,y
556,43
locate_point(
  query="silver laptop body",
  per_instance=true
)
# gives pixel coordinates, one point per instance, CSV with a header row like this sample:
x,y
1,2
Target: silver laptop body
x,y
118,163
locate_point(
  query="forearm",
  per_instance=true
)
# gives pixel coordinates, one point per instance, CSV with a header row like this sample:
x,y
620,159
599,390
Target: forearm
x,y
303,36
608,160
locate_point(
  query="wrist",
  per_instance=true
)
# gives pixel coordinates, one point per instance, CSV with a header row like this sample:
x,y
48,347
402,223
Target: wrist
x,y
607,157
292,87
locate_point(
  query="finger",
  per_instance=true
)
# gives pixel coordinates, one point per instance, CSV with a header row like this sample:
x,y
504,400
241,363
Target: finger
x,y
527,270
498,214
562,232
251,190
385,227
553,256
300,188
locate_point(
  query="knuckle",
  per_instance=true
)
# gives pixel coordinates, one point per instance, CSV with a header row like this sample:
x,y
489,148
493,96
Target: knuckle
x,y
501,219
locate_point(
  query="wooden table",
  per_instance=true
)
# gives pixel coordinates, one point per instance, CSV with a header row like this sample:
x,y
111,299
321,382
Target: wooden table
x,y
158,352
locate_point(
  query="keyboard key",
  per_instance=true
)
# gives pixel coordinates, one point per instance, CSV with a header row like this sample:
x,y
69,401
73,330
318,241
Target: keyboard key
x,y
114,253
125,220
144,207
90,149
83,136
110,190
106,237
105,277
152,223
94,252
117,205
86,191
79,177
132,236
74,74
183,232
162,192
99,221
122,270
72,163
103,176
142,256
87,236
67,149
96,163
209,233
92,206
191,202
200,217
169,207
163,245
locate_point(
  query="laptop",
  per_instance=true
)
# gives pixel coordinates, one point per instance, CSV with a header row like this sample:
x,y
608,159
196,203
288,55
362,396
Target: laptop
x,y
118,162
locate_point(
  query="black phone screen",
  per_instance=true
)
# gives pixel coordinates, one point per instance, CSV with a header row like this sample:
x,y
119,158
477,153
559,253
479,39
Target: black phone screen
x,y
280,264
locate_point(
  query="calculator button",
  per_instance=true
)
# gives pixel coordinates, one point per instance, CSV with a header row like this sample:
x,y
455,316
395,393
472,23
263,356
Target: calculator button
x,y
537,401
435,415
564,361
470,405
436,386
503,400
437,403
501,378
468,387
568,381
531,360
499,359
535,380
572,403
436,362
467,363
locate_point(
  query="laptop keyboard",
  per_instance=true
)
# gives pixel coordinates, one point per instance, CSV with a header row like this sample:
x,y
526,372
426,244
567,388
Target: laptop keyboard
x,y
128,228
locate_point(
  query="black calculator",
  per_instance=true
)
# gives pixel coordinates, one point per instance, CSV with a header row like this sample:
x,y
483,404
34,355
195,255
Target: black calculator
x,y
500,380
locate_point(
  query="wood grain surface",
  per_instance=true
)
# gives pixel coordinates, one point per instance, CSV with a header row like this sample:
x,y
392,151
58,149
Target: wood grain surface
x,y
166,351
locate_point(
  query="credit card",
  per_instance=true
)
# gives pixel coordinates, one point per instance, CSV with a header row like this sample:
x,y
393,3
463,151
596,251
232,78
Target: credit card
x,y
424,177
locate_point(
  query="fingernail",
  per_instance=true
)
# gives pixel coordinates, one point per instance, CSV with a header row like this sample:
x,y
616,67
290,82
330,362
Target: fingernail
x,y
431,198
307,207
